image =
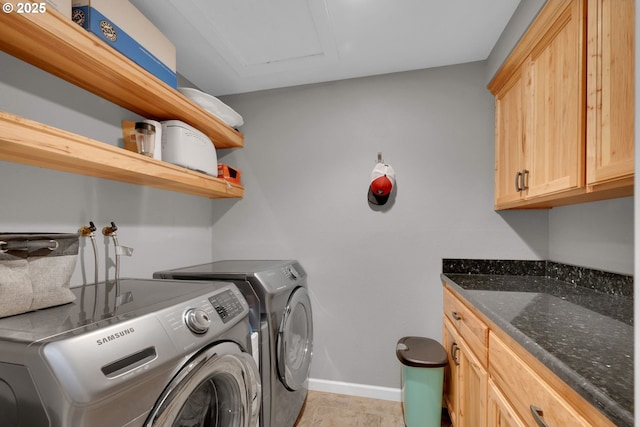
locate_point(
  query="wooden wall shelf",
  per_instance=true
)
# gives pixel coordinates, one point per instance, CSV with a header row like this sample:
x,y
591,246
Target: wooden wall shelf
x,y
59,46
54,43
32,143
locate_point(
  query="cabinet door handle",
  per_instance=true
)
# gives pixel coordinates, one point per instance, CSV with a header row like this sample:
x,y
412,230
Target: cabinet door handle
x,y
454,353
525,180
455,315
518,179
537,416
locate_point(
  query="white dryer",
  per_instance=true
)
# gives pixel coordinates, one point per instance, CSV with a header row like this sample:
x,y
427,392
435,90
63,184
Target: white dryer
x,y
281,310
136,353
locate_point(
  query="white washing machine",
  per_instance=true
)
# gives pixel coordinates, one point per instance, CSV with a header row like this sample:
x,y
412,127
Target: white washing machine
x,y
281,311
139,353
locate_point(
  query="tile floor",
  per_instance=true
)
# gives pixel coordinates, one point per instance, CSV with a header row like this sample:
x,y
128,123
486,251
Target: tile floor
x,y
339,410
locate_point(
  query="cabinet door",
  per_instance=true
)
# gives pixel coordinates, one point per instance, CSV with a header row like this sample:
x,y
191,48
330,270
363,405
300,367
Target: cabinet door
x,y
509,142
610,90
451,372
555,116
472,403
499,412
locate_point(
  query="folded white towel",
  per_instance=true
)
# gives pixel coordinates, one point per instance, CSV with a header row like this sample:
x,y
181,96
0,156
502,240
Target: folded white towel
x,y
213,105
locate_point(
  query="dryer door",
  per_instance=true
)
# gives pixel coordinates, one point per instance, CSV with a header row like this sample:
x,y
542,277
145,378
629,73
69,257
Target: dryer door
x,y
218,387
295,340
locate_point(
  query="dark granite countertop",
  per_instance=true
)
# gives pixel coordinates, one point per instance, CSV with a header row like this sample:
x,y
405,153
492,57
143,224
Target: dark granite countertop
x,y
581,329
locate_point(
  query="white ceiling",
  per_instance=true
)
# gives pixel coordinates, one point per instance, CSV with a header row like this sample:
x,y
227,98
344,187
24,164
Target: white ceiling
x,y
237,46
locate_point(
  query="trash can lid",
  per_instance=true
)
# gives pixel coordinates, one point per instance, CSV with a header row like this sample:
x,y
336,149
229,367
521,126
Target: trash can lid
x,y
421,352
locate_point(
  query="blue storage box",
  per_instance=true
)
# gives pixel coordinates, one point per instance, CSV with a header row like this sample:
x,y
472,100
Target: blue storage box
x,y
123,27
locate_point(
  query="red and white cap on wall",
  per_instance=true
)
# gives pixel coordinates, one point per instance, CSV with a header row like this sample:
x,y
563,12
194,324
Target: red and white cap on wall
x,y
383,179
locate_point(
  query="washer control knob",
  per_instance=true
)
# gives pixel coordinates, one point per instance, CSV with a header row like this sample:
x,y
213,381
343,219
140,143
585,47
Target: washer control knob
x,y
197,320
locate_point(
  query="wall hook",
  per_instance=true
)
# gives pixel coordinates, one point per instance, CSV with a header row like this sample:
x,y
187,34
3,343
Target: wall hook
x,y
380,157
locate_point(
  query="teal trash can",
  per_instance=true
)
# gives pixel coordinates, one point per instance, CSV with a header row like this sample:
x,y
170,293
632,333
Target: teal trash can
x,y
423,361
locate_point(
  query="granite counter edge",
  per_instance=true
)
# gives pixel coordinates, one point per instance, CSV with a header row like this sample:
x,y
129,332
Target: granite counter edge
x,y
611,409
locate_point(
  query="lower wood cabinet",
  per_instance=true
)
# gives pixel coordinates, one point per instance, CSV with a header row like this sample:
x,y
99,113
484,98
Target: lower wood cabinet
x,y
466,378
499,411
508,388
469,327
529,395
451,371
473,390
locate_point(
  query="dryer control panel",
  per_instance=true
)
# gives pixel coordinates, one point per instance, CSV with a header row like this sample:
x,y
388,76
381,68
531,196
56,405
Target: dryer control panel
x,y
290,272
227,305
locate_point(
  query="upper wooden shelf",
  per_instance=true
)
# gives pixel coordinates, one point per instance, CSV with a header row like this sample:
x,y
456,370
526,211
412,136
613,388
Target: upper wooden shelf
x,y
32,143
54,43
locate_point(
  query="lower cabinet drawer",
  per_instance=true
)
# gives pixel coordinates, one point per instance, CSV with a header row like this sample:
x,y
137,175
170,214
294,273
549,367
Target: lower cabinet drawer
x,y
471,328
530,396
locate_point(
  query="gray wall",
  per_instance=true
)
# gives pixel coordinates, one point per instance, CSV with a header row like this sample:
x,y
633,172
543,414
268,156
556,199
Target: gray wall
x,y
374,274
598,235
309,151
526,11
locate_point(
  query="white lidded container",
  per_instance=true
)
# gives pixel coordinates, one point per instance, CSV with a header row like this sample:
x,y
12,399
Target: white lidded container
x,y
186,146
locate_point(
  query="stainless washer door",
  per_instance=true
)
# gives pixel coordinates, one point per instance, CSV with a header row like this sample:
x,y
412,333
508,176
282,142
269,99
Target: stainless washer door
x,y
219,387
295,340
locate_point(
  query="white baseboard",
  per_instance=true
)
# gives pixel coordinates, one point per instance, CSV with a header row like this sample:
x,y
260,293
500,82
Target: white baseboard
x,y
360,390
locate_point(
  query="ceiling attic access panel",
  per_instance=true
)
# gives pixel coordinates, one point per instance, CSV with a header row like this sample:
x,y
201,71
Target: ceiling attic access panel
x,y
258,36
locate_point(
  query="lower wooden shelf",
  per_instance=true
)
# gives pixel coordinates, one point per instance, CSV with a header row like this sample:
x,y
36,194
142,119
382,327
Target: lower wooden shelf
x,y
28,142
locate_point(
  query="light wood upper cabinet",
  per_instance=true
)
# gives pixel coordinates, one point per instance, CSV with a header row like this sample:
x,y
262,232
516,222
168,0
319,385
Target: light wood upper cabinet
x,y
610,91
564,107
554,116
510,149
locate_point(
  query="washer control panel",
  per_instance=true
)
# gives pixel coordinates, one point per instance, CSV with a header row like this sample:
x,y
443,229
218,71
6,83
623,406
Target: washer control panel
x,y
197,320
227,305
204,317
